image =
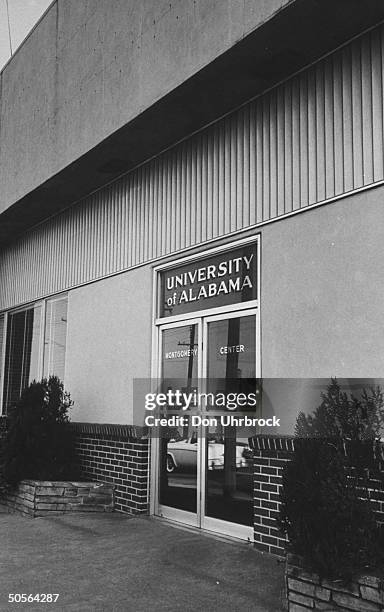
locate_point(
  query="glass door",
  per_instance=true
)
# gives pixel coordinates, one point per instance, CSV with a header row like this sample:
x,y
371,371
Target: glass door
x,y
230,366
179,445
205,473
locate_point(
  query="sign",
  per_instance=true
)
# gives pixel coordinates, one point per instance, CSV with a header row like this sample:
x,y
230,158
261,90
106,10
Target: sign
x,y
226,278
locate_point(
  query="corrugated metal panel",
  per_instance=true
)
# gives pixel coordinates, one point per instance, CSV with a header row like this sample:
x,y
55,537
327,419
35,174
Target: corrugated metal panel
x,y
316,136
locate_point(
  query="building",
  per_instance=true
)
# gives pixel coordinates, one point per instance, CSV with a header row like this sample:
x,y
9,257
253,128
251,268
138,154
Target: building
x,y
191,190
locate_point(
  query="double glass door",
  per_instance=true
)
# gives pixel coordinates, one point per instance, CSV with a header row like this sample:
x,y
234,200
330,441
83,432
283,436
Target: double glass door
x,y
204,468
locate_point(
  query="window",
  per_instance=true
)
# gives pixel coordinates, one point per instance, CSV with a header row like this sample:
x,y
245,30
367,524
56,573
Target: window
x,y
2,356
55,338
22,352
35,346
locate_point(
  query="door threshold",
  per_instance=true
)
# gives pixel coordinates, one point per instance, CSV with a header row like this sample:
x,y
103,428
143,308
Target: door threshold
x,y
222,537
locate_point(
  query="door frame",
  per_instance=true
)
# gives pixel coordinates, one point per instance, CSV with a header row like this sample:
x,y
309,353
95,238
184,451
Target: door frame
x,y
208,523
182,516
228,311
199,518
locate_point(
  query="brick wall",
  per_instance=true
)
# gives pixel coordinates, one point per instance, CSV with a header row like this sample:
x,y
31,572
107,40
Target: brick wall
x,y
270,456
372,489
117,454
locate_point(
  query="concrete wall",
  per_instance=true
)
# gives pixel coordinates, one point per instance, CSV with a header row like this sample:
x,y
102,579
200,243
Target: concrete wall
x,y
322,291
90,67
321,316
108,344
322,304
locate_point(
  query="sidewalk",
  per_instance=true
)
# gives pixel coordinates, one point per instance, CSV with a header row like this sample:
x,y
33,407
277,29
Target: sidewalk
x,y
139,564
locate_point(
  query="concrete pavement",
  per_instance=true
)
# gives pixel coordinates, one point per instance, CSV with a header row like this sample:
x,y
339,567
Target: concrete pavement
x,y
118,562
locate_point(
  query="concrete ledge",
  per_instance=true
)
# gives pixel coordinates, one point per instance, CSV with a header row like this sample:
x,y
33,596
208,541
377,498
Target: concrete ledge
x,y
44,497
272,443
130,432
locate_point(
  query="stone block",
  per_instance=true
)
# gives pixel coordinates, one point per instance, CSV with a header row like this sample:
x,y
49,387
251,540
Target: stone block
x,y
325,606
322,593
49,499
372,581
25,495
301,599
24,509
85,485
97,499
87,508
372,594
49,490
19,501
305,588
50,483
340,587
73,500
41,513
353,603
26,488
70,491
294,607
61,507
46,506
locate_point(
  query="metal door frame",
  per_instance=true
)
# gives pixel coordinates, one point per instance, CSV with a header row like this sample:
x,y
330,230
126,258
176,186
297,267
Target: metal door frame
x,y
202,317
199,519
209,523
182,516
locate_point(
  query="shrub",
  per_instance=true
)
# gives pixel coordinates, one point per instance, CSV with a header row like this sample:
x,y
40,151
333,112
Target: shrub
x,y
39,443
321,513
344,416
357,421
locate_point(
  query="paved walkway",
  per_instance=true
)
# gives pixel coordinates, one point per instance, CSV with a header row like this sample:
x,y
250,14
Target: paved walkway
x,y
118,562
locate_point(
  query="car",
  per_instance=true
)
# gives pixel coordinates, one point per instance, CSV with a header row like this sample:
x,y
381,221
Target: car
x,y
182,455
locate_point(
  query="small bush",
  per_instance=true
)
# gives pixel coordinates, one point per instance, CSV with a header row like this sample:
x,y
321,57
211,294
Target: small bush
x,y
39,443
325,511
357,421
321,513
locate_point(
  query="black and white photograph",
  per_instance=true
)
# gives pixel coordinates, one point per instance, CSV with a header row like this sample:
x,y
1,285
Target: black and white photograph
x,y
192,305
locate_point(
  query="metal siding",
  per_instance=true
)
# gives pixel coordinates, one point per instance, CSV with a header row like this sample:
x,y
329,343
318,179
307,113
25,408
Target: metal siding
x,y
318,135
377,105
338,125
288,153
296,169
357,140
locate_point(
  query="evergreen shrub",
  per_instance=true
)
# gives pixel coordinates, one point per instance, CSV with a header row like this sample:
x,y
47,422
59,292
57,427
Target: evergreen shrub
x,y
324,508
39,443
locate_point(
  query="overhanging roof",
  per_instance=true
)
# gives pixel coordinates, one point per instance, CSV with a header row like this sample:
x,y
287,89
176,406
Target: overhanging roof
x,y
295,37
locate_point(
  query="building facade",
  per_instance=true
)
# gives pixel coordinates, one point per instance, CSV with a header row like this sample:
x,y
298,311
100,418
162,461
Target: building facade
x,y
192,191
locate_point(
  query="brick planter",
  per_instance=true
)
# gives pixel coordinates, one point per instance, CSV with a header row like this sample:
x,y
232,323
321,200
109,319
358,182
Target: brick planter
x,y
41,497
270,456
119,455
306,591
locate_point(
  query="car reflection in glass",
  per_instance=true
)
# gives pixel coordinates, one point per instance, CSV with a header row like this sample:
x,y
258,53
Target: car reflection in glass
x,y
182,455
